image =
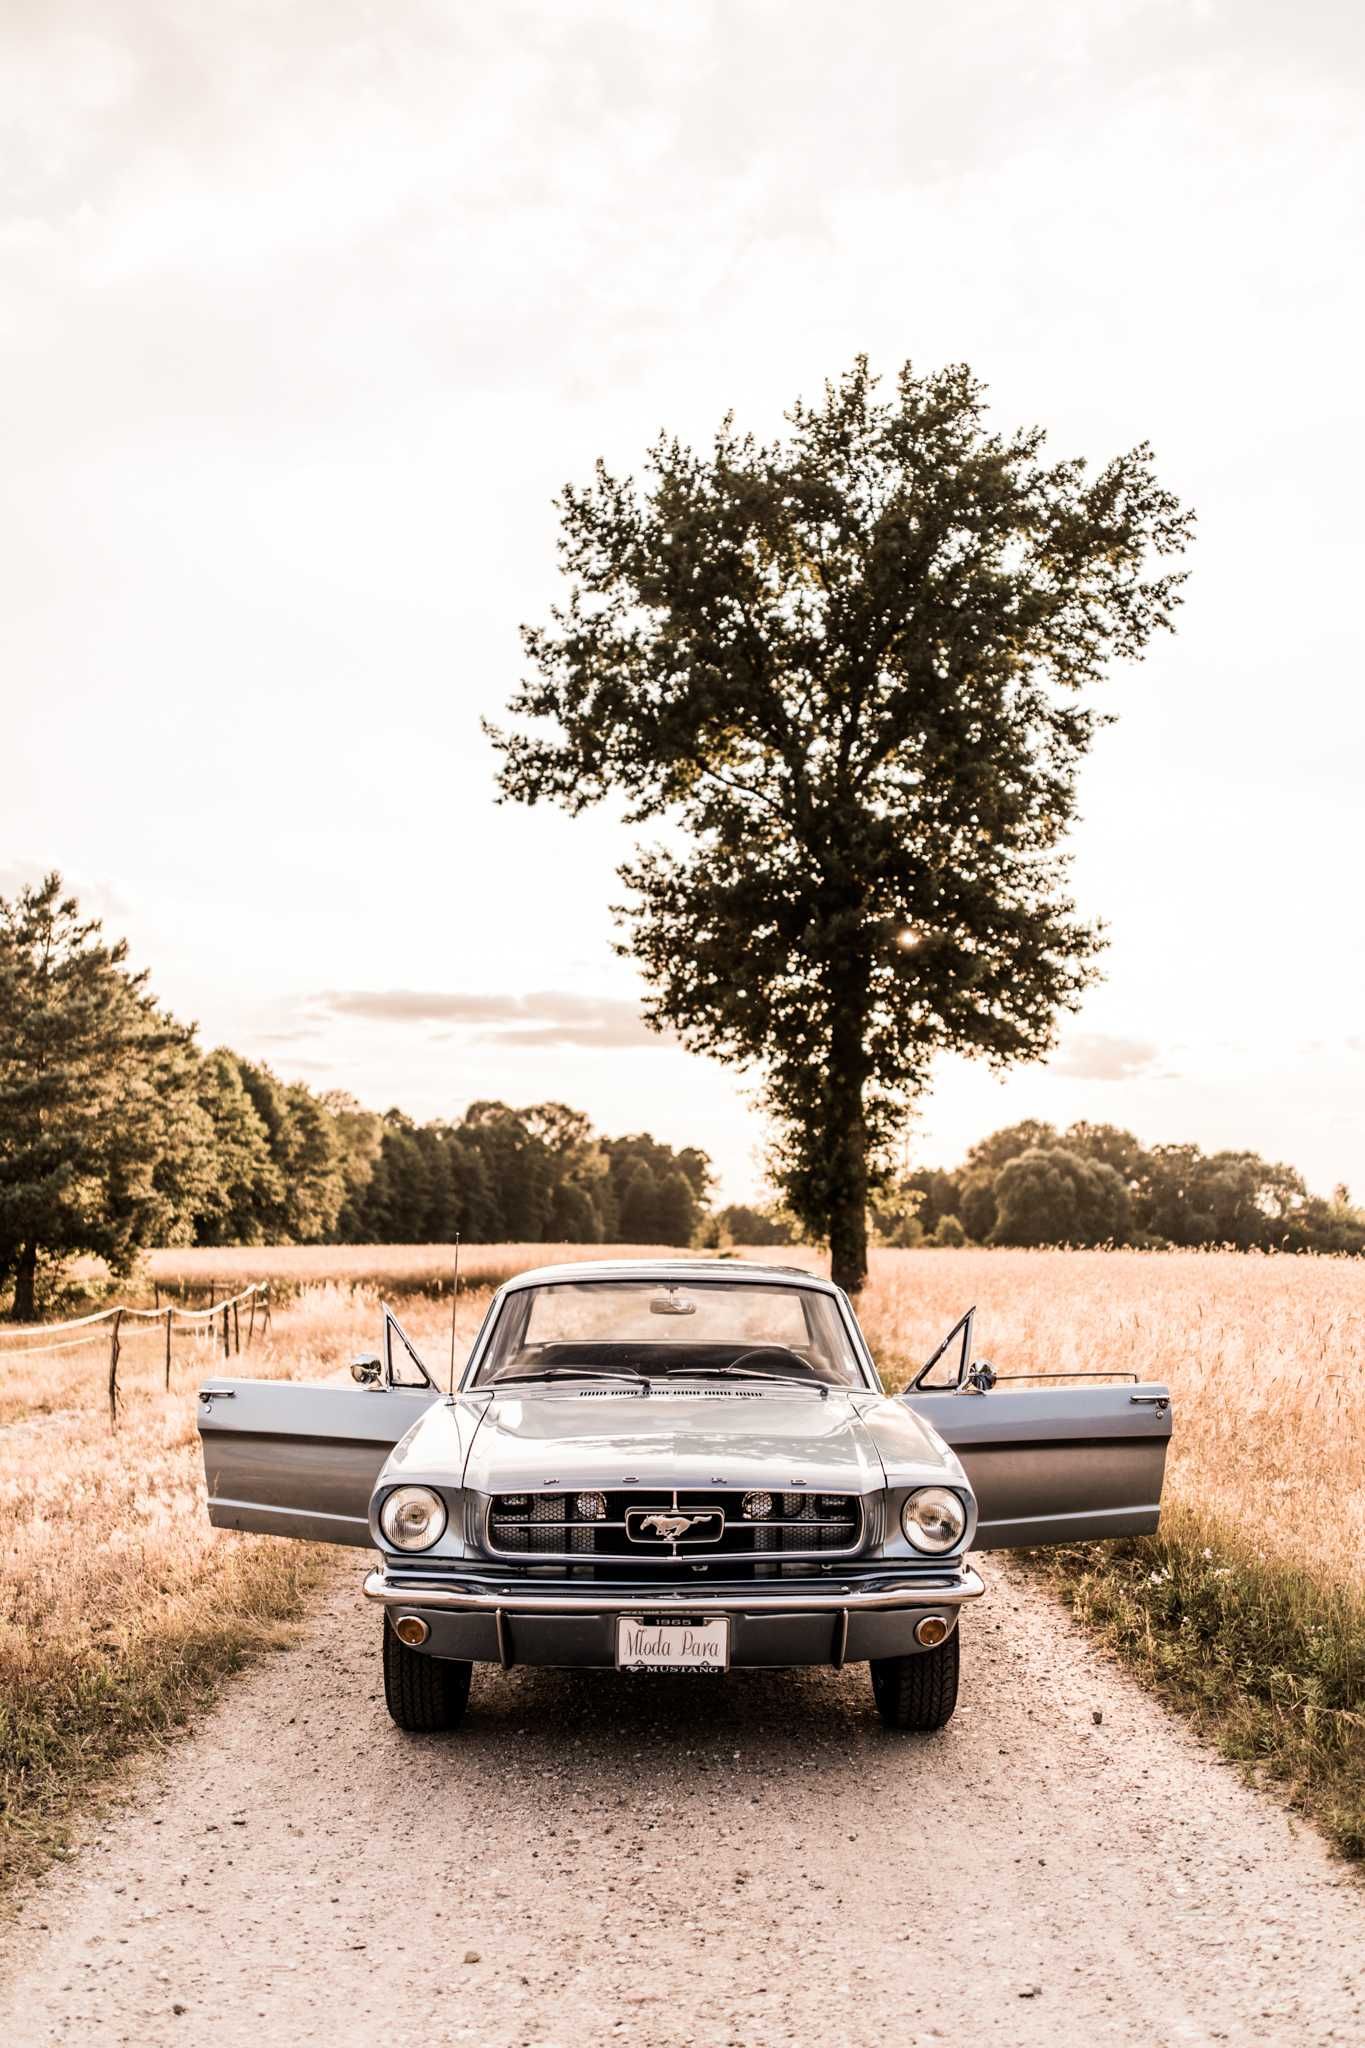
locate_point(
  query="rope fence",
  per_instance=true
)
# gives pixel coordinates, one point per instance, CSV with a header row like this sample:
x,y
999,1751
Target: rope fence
x,y
257,1295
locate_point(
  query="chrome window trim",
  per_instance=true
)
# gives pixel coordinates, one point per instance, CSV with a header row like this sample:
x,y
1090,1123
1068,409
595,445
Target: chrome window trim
x,y
809,1284
861,1348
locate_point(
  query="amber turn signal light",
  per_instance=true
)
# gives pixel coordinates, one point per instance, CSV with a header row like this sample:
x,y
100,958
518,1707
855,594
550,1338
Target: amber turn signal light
x,y
931,1631
412,1630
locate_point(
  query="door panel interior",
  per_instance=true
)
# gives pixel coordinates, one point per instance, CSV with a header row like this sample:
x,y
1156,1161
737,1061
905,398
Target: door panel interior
x,y
293,1458
1057,1464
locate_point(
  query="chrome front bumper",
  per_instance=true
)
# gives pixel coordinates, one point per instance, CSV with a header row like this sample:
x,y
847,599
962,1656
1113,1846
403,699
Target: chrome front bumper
x,y
831,1621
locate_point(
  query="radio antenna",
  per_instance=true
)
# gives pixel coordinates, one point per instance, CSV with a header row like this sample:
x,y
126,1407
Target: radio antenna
x,y
454,1313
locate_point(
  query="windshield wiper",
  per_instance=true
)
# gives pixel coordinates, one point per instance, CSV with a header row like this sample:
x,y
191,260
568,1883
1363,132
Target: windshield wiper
x,y
571,1372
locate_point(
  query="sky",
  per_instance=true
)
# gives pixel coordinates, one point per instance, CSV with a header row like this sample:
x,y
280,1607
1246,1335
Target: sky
x,y
306,314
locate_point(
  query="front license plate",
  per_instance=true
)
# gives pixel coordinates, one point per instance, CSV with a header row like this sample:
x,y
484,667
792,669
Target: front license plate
x,y
646,1645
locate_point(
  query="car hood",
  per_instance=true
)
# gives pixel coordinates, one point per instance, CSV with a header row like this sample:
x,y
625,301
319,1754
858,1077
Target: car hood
x,y
732,1436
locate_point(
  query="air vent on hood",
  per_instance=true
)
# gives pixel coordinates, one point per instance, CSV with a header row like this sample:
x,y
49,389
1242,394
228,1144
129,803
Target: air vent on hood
x,y
665,1393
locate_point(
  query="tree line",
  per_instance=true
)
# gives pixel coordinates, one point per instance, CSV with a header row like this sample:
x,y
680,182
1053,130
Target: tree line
x,y
315,1169
1095,1184
117,1132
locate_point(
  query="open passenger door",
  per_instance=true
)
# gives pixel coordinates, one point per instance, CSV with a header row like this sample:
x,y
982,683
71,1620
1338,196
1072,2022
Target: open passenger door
x,y
1050,1464
300,1457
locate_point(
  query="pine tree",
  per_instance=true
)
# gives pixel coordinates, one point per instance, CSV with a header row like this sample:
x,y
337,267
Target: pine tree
x,y
675,1210
103,1146
315,1186
640,1206
246,1187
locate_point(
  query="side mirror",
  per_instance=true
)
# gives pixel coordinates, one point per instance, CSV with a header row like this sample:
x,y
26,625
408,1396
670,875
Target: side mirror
x,y
367,1371
980,1378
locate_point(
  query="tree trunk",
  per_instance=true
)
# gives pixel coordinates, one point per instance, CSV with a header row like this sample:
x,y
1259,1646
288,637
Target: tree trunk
x,y
848,1236
25,1308
847,1156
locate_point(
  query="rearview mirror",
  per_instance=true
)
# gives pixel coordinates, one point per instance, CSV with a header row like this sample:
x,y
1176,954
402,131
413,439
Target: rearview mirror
x,y
671,1305
366,1371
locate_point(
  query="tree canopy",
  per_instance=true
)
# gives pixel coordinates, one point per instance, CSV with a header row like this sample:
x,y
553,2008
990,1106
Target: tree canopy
x,y
847,673
1097,1184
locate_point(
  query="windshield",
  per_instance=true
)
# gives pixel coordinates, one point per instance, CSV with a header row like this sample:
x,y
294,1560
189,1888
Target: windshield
x,y
667,1329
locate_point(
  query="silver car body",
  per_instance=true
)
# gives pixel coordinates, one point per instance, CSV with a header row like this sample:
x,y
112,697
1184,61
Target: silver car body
x,y
1033,1466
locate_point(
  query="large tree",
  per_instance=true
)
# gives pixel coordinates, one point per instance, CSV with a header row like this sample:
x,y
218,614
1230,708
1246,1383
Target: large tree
x,y
1054,1196
104,1146
848,673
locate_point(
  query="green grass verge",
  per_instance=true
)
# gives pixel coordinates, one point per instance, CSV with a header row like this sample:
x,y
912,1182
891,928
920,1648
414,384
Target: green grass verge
x,y
1268,1661
71,1713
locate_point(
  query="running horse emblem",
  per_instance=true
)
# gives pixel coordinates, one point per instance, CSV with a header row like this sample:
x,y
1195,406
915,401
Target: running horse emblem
x,y
671,1527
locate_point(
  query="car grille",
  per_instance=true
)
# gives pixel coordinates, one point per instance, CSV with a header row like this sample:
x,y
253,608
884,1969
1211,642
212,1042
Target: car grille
x,y
637,1527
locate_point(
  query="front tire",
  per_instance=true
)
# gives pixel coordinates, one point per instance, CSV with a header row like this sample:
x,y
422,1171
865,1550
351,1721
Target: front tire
x,y
424,1695
918,1692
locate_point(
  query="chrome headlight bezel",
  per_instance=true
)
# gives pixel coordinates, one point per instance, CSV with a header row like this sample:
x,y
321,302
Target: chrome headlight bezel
x,y
428,1534
953,1513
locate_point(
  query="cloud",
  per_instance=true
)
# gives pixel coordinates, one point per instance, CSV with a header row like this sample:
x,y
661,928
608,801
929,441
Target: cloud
x,y
96,898
549,1017
1096,1056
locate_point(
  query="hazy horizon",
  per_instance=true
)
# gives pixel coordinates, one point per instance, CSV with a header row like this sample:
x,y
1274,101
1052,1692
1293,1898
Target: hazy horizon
x,y
305,318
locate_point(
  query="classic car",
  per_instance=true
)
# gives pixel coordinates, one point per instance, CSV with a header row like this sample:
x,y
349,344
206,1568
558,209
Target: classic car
x,y
678,1466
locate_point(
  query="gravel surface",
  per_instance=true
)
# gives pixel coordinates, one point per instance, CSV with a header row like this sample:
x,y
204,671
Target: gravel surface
x,y
673,1861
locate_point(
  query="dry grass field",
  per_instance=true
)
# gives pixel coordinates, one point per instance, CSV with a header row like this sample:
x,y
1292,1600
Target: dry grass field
x,y
1248,1609
120,1608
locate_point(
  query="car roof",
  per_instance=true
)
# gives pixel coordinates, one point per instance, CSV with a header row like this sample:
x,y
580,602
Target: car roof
x,y
745,1270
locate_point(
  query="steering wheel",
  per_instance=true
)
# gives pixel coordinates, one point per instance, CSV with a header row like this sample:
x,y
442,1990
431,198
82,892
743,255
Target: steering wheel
x,y
774,1351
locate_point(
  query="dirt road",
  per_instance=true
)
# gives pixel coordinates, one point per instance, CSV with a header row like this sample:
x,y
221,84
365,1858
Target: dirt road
x,y
693,1861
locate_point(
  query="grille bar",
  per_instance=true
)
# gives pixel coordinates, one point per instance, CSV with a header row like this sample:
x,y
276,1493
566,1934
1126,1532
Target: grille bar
x,y
541,1525
509,1522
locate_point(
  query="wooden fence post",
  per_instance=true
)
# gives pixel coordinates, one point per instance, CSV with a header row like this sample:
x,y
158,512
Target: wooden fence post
x,y
227,1348
113,1369
265,1307
169,1313
251,1319
236,1332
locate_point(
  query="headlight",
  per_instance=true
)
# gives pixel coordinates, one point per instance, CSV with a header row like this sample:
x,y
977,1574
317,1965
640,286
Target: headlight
x,y
413,1518
934,1519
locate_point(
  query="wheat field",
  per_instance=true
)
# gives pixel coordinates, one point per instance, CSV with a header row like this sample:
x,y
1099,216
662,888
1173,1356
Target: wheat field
x,y
120,1607
1265,1358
